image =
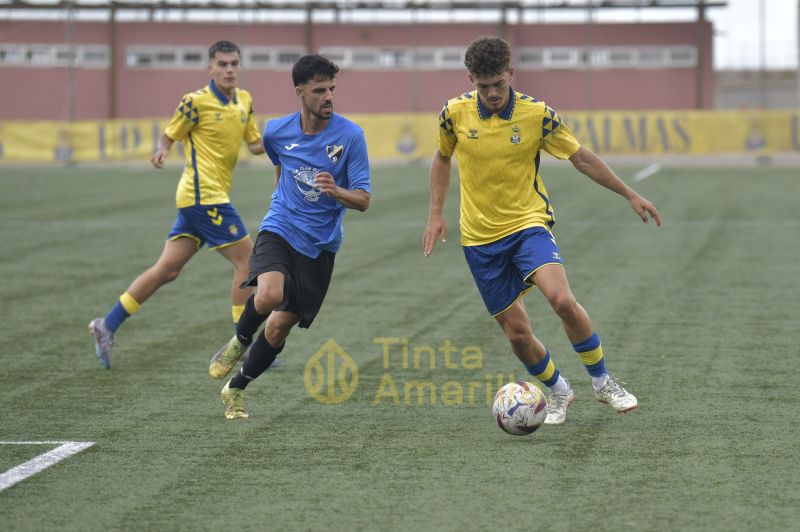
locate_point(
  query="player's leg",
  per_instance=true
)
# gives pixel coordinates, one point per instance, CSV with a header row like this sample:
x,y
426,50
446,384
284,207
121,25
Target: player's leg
x,y
269,294
501,283
268,267
175,255
173,258
266,347
225,232
238,254
534,356
293,297
552,281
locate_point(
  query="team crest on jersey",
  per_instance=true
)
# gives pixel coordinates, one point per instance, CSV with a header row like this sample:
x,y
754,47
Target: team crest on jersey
x,y
334,153
473,134
305,178
218,117
515,138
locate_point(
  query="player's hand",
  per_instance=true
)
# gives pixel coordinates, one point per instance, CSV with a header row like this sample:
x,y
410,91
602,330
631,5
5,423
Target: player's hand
x,y
325,183
642,207
159,158
435,229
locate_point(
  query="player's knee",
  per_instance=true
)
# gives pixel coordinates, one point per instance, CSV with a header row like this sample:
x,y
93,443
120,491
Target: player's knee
x,y
519,337
242,265
565,306
267,298
166,274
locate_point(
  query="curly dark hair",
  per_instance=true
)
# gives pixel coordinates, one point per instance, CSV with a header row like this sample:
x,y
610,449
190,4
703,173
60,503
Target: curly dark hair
x,y
487,57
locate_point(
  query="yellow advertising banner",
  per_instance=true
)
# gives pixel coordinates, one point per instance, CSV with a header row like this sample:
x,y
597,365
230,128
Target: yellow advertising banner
x,y
406,137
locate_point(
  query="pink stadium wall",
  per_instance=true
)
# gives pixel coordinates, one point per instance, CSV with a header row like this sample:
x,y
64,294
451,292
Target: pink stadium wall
x,y
41,93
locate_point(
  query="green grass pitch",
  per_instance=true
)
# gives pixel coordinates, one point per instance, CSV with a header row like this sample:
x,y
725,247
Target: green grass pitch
x,y
700,317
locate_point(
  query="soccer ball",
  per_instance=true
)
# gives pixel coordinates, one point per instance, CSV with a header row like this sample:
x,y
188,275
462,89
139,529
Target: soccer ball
x,y
519,408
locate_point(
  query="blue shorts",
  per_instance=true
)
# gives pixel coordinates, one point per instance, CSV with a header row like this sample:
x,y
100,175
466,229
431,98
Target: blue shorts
x,y
501,268
216,225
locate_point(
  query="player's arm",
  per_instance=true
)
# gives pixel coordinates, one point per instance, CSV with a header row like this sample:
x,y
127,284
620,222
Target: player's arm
x,y
586,162
440,182
252,137
256,148
352,199
163,146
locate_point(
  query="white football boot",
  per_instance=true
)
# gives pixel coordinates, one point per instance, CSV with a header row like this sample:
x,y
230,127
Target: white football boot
x,y
614,394
557,405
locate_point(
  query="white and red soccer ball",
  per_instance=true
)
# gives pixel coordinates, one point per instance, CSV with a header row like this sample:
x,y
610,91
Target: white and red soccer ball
x,y
519,408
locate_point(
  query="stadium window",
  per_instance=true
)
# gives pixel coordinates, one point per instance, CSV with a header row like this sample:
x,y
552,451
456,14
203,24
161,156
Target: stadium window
x,y
12,55
258,58
451,58
392,58
558,58
651,57
288,57
65,56
423,58
138,59
39,55
94,56
192,58
365,58
620,58
682,56
530,58
165,58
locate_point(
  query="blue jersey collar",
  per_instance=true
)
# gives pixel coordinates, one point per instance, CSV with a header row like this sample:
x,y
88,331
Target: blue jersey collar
x,y
505,114
220,96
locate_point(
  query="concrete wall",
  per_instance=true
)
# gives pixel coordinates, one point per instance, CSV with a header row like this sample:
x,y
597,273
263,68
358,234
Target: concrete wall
x,y
42,93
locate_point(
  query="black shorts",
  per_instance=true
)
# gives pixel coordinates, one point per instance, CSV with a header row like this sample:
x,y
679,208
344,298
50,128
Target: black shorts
x,y
306,280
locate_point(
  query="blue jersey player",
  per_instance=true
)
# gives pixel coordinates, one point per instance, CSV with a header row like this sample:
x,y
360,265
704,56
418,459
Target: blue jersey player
x,y
497,135
323,170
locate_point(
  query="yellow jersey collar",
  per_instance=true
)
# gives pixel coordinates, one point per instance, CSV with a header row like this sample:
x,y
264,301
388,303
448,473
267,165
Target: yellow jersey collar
x,y
220,96
505,114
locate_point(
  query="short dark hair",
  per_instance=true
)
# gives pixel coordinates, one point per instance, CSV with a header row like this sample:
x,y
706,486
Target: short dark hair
x,y
313,67
223,47
487,57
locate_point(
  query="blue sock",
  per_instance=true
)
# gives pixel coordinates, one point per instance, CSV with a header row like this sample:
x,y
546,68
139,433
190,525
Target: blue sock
x,y
115,318
545,371
591,353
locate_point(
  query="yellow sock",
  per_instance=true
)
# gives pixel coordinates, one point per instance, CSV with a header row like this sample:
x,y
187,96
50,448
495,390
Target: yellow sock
x,y
131,305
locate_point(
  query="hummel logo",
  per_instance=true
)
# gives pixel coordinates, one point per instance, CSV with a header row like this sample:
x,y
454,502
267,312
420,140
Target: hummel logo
x,y
290,147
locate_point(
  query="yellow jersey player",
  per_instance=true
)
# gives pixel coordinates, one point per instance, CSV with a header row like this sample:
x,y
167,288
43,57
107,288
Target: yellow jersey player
x,y
497,135
211,123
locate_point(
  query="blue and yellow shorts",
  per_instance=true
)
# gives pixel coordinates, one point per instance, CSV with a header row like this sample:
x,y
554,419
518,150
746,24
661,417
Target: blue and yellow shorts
x,y
503,269
216,225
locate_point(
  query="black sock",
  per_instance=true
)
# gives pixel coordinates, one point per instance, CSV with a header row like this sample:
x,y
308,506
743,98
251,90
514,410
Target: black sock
x,y
249,322
262,355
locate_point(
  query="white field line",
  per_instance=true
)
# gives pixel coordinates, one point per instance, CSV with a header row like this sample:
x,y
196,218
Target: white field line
x,y
647,171
19,473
